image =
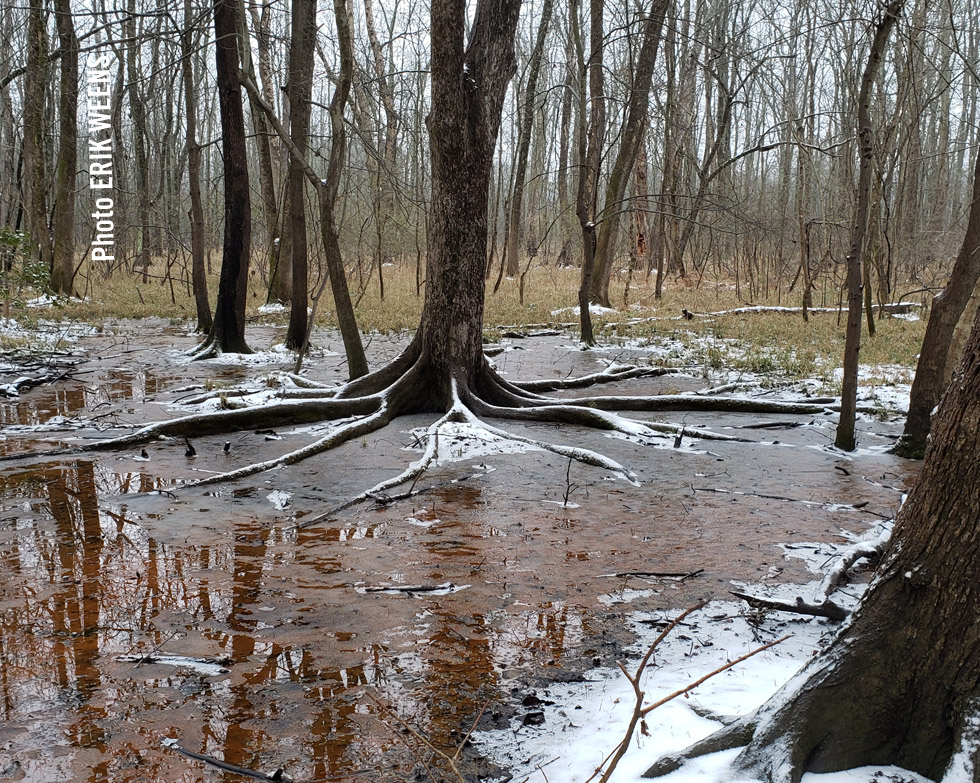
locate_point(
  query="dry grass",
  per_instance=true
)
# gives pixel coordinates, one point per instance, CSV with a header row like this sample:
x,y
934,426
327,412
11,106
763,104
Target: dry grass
x,y
769,342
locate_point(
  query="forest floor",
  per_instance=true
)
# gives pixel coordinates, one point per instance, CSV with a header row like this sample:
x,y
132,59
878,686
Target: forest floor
x,y
136,615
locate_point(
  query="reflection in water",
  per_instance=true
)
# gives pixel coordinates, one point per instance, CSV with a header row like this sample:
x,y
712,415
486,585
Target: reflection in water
x,y
68,398
87,579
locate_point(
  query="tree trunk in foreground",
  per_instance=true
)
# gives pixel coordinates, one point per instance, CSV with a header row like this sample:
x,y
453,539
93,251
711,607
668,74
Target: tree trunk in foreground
x,y
901,682
468,87
947,309
855,302
228,330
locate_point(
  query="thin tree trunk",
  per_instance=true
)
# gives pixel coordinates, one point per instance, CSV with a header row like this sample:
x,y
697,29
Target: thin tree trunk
x,y
300,88
137,110
196,214
845,439
631,138
63,257
513,230
228,329
590,133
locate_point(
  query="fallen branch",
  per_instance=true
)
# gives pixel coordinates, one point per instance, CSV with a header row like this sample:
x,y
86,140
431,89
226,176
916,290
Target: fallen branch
x,y
680,577
871,549
826,608
275,777
411,589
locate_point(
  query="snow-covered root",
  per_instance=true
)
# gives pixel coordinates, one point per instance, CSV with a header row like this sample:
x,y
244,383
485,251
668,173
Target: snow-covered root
x,y
584,456
693,402
615,372
871,549
346,432
209,349
566,412
822,605
303,382
411,473
214,422
735,735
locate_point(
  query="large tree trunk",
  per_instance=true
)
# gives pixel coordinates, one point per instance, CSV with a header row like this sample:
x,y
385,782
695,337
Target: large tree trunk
x,y
901,682
63,261
228,330
947,308
852,345
468,87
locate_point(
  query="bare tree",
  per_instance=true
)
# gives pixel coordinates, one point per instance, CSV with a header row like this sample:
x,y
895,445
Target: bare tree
x,y
227,333
852,346
630,140
198,272
948,307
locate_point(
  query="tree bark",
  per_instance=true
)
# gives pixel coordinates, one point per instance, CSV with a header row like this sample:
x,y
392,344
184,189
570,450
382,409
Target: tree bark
x,y
63,257
228,329
300,88
845,429
947,308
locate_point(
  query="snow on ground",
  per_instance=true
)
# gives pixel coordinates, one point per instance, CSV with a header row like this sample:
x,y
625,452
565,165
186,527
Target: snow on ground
x,y
594,309
44,334
460,441
584,721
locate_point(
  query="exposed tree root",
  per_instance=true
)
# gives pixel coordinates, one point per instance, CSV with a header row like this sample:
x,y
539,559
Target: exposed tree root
x,y
822,606
734,735
615,372
354,429
405,386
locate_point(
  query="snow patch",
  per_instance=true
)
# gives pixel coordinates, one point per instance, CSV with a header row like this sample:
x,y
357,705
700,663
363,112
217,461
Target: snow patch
x,y
460,441
281,500
594,309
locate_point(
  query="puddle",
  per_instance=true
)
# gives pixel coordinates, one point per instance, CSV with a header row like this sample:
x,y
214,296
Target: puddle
x,y
205,616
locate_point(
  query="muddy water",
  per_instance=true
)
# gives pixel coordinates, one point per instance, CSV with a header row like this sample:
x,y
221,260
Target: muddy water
x,y
311,665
